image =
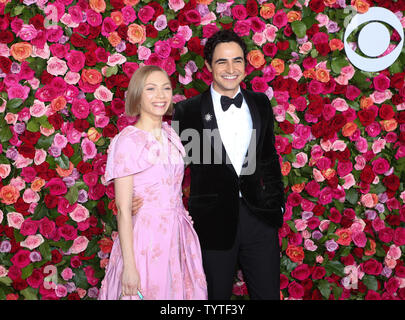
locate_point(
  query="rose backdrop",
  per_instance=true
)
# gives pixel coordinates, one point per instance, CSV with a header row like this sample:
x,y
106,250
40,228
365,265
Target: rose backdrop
x,y
340,133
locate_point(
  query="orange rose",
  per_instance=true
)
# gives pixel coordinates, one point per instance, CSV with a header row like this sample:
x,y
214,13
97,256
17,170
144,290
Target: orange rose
x,y
114,38
298,187
309,73
295,253
37,184
117,17
207,2
136,33
256,58
360,5
336,44
267,10
278,65
65,172
21,50
365,102
372,250
93,134
131,2
348,129
389,125
58,103
97,5
294,16
285,168
345,236
322,75
329,3
9,194
92,76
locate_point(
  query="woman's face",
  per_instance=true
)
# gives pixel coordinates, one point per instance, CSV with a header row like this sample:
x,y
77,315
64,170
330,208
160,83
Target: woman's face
x,y
157,95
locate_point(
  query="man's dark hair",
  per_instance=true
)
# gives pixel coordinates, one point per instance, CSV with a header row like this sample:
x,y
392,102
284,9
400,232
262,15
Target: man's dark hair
x,y
221,37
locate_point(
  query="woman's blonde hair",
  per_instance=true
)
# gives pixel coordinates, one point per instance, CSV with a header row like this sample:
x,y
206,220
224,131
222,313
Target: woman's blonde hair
x,y
135,90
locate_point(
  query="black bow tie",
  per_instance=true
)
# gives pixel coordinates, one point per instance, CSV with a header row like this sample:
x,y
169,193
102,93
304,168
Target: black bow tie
x,y
226,101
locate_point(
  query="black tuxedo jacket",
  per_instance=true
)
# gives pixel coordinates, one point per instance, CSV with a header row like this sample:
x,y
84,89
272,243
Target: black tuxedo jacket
x,y
214,190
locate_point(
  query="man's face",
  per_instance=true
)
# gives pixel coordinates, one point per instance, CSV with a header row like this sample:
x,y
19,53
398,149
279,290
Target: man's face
x,y
227,68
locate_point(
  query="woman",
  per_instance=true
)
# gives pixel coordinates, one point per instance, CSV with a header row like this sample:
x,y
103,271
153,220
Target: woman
x,y
157,254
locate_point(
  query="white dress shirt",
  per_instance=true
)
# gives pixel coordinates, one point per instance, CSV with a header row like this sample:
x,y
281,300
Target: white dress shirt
x,y
235,128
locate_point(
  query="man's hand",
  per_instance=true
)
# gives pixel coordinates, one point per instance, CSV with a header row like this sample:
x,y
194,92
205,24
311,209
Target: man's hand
x,y
136,204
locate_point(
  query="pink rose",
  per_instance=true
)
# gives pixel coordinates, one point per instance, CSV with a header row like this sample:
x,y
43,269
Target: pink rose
x,y
352,92
64,207
378,145
367,200
30,196
18,92
176,5
89,149
239,12
381,82
46,227
359,239
67,274
56,186
349,181
93,18
27,32
177,41
128,14
103,94
344,168
75,60
145,14
108,26
380,166
68,232
259,84
80,213
96,192
56,66
280,19
209,30
295,72
340,104
21,259
15,220
162,49
60,291
325,196
296,290
35,279
80,108
32,241
29,227
399,236
143,53
301,160
79,245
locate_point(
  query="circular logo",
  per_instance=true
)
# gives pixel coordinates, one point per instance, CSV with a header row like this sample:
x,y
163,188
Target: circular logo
x,y
374,39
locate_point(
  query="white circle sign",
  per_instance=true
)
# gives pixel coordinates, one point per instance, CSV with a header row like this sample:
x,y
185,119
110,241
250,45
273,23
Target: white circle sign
x,y
368,42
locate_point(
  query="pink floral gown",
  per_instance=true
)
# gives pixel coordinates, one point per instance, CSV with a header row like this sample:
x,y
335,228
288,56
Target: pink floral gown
x,y
166,247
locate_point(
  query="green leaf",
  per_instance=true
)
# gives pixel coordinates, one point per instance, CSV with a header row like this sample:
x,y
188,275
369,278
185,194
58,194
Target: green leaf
x,y
27,271
111,70
17,10
6,280
45,251
5,132
33,125
63,161
352,196
299,28
30,293
199,61
40,211
14,104
72,195
370,282
335,267
226,20
325,288
338,63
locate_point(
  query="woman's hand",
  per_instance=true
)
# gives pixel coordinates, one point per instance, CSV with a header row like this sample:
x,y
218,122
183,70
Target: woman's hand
x,y
130,281
136,204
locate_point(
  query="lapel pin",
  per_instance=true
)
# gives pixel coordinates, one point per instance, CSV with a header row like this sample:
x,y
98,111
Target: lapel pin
x,y
208,117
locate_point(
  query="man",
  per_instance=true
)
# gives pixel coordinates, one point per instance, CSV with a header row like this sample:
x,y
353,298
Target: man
x,y
236,197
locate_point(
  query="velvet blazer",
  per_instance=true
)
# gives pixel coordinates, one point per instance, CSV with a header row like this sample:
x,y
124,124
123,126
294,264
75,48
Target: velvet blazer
x,y
215,186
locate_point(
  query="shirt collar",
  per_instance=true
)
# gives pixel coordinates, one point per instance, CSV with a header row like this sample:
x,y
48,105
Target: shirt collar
x,y
216,96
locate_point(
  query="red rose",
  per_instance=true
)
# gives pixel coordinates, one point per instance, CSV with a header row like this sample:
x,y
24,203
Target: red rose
x,y
397,99
68,232
6,36
397,80
56,120
367,174
21,206
366,116
61,220
46,227
131,49
5,64
287,127
151,32
372,295
94,32
37,21
84,167
14,272
50,201
252,8
56,256
117,4
96,192
301,272
295,290
29,227
110,131
75,262
30,137
190,92
81,125
68,151
194,45
193,17
19,284
27,150
283,281
386,235
323,48
77,40
317,5
35,279
352,92
173,25
335,215
270,49
391,182
399,236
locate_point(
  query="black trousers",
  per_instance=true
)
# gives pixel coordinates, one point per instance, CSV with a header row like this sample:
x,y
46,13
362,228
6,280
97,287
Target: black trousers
x,y
257,251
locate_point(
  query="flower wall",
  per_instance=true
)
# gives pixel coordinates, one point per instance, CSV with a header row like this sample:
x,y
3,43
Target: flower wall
x,y
64,69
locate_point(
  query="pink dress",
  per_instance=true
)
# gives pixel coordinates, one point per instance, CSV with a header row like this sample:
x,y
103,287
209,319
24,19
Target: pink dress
x,y
166,247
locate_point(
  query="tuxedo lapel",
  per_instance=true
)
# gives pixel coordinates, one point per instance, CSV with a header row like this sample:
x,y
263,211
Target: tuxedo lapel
x,y
212,132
